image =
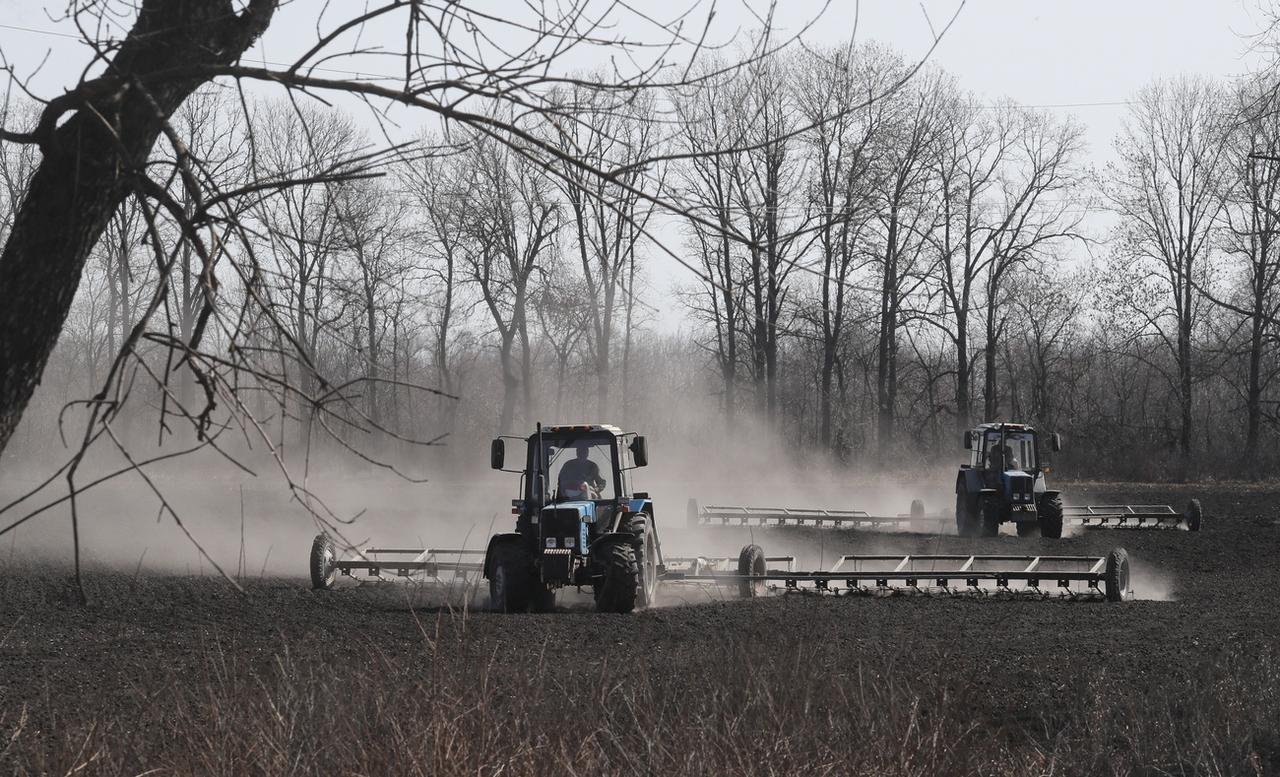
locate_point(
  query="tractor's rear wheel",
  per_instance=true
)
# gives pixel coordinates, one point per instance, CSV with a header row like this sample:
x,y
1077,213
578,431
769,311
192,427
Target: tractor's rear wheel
x,y
1116,581
989,515
1028,529
619,589
751,561
966,517
1195,516
1050,509
511,582
640,526
323,571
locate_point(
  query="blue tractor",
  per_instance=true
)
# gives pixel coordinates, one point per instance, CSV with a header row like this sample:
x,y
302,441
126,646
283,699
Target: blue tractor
x,y
578,522
1004,481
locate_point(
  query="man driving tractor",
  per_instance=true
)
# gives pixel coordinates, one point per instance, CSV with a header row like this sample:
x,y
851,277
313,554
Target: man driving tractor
x,y
580,477
1001,458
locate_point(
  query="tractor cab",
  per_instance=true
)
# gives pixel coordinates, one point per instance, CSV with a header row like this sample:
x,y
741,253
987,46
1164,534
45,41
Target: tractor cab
x,y
1004,481
576,508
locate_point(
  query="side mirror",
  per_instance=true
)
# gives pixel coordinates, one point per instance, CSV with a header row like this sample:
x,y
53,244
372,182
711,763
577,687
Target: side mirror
x,y
497,454
640,451
1055,442
968,441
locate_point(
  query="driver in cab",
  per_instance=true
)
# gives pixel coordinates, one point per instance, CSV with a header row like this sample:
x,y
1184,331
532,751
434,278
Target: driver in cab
x,y
580,477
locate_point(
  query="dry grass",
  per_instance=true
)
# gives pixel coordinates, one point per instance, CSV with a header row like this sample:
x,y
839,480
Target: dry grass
x,y
453,705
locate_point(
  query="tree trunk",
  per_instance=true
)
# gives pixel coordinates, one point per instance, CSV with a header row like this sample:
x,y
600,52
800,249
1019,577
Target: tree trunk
x,y
886,351
86,169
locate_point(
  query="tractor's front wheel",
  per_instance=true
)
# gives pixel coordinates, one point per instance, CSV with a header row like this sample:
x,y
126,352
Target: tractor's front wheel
x,y
619,589
966,518
1050,509
510,583
989,512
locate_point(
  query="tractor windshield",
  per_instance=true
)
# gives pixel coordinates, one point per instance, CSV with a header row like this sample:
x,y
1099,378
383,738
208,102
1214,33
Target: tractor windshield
x,y
580,468
1017,450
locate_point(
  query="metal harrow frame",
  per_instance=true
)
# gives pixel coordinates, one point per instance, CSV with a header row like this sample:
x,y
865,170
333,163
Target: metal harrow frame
x,y
1086,516
1103,577
725,515
1134,516
422,564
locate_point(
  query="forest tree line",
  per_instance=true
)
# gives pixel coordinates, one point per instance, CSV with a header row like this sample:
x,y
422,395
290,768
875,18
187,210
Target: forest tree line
x,y
871,259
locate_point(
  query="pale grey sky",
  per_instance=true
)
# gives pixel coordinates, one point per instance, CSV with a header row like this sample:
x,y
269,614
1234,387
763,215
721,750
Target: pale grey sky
x,y
1080,57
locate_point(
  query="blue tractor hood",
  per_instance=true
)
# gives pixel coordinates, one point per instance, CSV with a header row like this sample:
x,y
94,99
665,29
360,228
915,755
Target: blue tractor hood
x,y
585,507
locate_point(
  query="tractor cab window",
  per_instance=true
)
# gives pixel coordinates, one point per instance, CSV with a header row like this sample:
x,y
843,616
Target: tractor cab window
x,y
1017,450
580,469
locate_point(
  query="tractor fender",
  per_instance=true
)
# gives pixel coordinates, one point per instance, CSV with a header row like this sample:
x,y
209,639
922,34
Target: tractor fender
x,y
988,492
969,482
1050,494
497,542
640,506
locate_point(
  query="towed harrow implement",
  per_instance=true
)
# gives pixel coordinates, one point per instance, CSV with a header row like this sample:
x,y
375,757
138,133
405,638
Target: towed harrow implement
x,y
722,515
1134,516
429,565
1086,516
1097,577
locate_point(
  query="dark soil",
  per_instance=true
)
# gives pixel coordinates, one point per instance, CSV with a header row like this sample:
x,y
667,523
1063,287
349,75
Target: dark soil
x,y
1014,659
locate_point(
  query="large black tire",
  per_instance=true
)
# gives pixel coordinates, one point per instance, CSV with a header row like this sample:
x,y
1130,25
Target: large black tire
x,y
751,562
989,516
543,599
966,516
1194,515
1050,509
1028,528
620,588
640,526
323,571
1116,581
511,581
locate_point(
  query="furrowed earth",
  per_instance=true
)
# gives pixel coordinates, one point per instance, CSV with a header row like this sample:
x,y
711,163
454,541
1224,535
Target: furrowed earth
x,y
1013,663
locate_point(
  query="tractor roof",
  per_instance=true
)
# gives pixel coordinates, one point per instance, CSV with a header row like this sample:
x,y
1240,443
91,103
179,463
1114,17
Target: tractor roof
x,y
997,426
582,428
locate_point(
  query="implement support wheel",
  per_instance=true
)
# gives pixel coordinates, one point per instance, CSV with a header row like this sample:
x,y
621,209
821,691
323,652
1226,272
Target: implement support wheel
x,y
751,562
323,571
1194,515
1116,581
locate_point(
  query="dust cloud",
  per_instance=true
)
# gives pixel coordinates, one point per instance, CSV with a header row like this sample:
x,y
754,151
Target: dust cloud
x,y
252,525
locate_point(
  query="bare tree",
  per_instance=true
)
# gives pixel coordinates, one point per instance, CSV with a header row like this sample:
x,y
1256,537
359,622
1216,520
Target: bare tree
x,y
608,216
1167,189
510,228
829,85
